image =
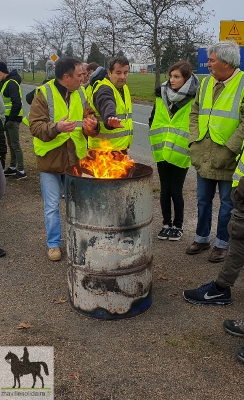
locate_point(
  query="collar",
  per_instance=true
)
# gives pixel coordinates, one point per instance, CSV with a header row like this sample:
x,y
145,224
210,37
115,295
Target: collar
x,y
62,89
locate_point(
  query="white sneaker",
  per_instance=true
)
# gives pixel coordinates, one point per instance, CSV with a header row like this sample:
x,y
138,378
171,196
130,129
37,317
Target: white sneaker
x,y
54,254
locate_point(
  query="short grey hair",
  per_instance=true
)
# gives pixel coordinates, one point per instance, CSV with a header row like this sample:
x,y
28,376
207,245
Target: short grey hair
x,y
227,51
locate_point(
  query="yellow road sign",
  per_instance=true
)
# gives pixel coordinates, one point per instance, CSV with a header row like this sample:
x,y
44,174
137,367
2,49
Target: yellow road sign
x,y
54,57
232,30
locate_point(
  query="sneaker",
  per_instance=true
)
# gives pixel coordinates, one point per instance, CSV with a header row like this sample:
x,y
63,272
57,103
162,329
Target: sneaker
x,y
233,327
54,254
2,253
164,233
175,233
240,353
10,172
208,294
20,175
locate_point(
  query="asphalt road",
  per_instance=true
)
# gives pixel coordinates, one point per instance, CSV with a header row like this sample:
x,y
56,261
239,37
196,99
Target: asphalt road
x,y
141,113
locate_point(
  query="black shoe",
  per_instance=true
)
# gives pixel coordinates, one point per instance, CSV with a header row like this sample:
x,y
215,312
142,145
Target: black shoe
x,y
10,172
208,294
233,327
175,233
2,253
164,233
20,175
240,353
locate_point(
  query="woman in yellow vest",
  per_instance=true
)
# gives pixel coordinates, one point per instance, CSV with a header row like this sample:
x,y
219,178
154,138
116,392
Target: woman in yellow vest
x,y
168,135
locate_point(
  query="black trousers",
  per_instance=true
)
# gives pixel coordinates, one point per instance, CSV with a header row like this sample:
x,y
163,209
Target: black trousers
x,y
3,145
172,179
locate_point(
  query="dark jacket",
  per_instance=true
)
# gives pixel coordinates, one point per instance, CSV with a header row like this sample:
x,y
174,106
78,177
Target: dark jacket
x,y
12,91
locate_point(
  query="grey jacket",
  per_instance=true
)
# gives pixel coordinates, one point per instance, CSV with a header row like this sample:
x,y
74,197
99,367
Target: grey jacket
x,y
2,110
211,160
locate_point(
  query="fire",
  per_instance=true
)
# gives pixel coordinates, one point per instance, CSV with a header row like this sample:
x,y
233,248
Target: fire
x,y
105,163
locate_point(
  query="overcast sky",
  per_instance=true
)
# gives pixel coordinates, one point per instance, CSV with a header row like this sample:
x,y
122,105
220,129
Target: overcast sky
x,y
24,12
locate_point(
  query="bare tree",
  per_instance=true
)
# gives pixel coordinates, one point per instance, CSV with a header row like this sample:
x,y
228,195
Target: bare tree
x,y
155,18
111,29
80,14
8,44
54,32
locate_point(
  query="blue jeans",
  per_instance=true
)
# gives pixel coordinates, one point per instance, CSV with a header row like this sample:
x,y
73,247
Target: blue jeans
x,y
51,193
206,189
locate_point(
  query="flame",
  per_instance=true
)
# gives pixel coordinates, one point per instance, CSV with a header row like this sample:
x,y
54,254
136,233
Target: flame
x,y
105,163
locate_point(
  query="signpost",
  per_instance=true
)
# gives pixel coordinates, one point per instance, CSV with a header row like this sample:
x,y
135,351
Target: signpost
x,y
232,30
54,57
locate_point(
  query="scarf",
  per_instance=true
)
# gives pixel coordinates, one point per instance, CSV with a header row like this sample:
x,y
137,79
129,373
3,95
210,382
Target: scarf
x,y
180,98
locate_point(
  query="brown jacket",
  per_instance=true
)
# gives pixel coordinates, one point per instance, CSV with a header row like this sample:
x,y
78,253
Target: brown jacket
x,y
211,160
56,160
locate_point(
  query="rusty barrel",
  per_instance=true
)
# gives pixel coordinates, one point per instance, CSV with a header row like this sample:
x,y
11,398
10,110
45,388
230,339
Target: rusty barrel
x,y
109,243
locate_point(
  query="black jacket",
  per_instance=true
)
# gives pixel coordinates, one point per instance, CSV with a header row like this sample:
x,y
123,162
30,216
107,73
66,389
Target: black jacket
x,y
12,91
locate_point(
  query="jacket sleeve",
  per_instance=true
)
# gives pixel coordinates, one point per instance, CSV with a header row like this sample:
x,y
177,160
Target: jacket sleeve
x,y
40,124
105,104
194,131
235,142
12,91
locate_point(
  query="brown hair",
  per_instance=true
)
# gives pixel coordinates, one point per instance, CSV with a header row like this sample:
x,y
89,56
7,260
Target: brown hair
x,y
184,66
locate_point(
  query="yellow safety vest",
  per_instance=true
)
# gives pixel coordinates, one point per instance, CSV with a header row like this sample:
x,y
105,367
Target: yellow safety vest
x,y
7,100
223,117
239,171
89,93
119,138
58,109
169,136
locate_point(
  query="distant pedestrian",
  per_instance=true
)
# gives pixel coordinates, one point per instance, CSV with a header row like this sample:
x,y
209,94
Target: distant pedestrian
x,y
216,139
168,135
12,97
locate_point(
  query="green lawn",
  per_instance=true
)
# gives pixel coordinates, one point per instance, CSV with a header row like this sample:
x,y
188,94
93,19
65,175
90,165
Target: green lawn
x,y
141,85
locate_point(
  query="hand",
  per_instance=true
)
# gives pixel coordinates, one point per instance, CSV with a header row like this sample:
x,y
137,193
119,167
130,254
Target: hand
x,y
114,122
89,123
63,126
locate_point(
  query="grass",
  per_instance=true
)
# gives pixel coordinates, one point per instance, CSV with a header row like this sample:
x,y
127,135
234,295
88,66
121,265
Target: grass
x,y
141,86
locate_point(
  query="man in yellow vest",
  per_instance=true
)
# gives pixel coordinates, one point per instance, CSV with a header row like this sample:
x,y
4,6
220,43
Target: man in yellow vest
x,y
60,121
12,98
216,138
111,102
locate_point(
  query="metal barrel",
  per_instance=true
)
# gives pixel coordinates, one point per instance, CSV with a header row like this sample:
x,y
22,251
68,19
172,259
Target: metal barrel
x,y
109,244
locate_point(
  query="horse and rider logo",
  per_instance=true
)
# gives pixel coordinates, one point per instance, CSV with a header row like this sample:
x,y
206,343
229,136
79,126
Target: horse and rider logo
x,y
25,367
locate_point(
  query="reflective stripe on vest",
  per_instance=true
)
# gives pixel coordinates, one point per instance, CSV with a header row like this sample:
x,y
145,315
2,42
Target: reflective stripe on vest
x,y
239,172
223,117
57,110
7,100
169,136
119,138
